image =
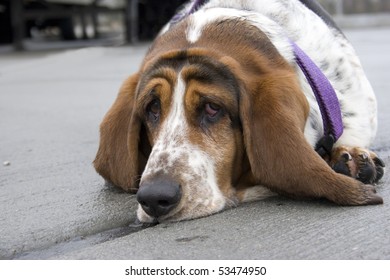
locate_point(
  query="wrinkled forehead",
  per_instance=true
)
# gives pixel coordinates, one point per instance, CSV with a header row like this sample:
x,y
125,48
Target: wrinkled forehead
x,y
192,64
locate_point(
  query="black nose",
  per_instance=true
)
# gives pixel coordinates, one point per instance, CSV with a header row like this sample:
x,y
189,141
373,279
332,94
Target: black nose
x,y
159,197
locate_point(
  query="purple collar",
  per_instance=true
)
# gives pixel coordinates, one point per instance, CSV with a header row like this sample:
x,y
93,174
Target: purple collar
x,y
182,14
326,98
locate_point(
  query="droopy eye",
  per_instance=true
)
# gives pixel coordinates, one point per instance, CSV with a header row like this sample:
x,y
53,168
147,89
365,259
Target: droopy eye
x,y
211,110
153,110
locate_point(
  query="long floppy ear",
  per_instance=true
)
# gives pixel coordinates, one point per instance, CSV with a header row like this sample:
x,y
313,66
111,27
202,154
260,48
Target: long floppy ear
x,y
124,148
273,113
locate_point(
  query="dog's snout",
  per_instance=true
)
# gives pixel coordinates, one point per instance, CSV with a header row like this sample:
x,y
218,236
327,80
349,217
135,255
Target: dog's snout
x,y
159,197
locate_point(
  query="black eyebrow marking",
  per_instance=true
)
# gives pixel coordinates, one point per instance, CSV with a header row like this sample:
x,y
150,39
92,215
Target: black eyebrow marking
x,y
209,70
214,72
172,61
156,69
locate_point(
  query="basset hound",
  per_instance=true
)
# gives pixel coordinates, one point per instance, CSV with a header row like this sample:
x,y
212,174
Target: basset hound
x,y
220,113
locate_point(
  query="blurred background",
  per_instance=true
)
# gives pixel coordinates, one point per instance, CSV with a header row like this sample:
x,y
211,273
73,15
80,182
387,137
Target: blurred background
x,y
340,7
29,24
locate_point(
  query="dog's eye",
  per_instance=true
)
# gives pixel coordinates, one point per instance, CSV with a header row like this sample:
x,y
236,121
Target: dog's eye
x,y
211,110
154,109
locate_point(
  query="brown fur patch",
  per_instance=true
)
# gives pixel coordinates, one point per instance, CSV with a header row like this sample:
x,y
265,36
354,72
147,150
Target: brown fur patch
x,y
121,156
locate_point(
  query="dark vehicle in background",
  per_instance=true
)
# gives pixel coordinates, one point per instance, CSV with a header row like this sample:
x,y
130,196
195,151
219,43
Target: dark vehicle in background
x,y
73,19
5,22
79,19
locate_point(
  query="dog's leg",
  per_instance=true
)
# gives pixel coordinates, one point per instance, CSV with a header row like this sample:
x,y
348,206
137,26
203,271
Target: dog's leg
x,y
357,163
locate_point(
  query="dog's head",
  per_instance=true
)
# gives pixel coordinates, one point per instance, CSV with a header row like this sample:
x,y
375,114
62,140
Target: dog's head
x,y
203,120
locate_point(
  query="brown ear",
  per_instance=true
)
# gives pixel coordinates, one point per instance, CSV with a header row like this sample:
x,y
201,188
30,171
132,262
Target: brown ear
x,y
273,113
124,148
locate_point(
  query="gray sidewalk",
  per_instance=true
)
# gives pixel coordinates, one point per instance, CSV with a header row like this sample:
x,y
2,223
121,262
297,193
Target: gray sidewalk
x,y
54,205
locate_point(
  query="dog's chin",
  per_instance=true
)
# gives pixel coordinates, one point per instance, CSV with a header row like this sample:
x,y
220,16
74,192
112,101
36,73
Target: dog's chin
x,y
145,218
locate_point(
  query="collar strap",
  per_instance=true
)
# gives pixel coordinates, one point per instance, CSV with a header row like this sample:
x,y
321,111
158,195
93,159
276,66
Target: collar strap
x,y
326,98
193,8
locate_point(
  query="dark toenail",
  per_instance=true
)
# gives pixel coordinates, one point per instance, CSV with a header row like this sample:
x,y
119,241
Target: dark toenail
x,y
366,173
379,162
379,168
342,168
379,173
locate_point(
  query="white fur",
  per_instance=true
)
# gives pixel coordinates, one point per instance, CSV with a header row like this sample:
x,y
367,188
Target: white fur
x,y
257,193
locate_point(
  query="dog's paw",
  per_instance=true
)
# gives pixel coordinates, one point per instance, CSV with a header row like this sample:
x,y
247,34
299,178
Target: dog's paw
x,y
347,191
357,163
357,194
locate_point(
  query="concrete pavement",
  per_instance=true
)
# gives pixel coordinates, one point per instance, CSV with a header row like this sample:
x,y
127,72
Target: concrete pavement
x,y
54,206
